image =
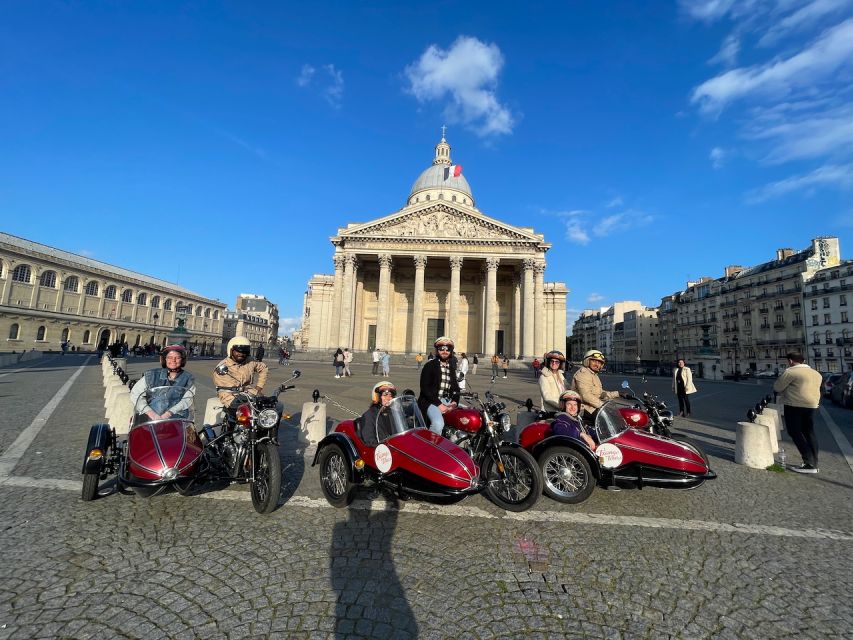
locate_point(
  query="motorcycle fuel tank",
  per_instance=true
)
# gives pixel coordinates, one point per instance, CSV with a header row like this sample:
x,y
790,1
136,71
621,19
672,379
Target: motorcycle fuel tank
x,y
464,420
162,450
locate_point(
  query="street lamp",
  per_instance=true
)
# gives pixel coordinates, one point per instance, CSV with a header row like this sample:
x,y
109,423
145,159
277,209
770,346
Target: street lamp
x,y
737,371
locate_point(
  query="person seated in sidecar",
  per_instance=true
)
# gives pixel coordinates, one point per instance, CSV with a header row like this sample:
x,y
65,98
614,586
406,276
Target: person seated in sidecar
x,y
236,373
171,373
376,423
568,422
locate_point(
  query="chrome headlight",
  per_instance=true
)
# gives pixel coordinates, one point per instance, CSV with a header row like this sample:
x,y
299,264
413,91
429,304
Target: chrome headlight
x,y
267,418
505,421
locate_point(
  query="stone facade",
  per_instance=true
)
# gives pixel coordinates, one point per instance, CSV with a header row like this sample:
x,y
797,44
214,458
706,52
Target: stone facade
x,y
246,325
827,302
48,296
439,266
257,305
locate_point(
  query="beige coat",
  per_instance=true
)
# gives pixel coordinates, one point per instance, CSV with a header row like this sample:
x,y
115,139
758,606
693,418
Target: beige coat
x,y
587,383
240,375
551,386
799,386
686,377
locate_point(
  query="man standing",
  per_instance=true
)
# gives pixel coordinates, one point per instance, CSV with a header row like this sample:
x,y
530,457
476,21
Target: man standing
x,y
419,360
259,353
474,362
799,385
375,362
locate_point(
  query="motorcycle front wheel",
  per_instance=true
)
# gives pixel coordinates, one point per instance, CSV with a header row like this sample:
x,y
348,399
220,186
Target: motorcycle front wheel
x,y
521,485
90,486
267,484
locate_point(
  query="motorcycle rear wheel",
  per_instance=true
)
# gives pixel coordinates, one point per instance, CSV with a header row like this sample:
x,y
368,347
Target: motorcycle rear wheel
x,y
267,485
90,486
335,480
523,484
566,475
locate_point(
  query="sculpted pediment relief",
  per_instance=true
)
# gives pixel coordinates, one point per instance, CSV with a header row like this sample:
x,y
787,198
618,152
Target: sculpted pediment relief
x,y
440,222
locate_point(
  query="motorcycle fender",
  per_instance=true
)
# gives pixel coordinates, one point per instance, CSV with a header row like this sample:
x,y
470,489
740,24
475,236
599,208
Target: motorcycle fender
x,y
348,447
566,441
100,437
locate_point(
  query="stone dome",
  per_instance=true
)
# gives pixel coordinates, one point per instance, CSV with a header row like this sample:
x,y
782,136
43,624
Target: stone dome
x,y
433,185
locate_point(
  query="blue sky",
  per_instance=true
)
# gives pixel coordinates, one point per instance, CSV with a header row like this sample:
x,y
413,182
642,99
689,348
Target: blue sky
x,y
219,145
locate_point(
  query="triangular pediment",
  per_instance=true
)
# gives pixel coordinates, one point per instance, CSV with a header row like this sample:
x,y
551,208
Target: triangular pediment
x,y
443,222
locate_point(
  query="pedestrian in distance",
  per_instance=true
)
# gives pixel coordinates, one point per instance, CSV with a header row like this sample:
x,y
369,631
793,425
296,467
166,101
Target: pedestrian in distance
x,y
505,366
682,385
338,361
537,368
386,364
495,364
462,367
419,360
376,355
474,362
799,386
347,360
259,353
281,355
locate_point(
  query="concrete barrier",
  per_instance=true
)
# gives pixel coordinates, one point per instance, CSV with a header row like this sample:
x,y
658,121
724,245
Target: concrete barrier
x,y
776,416
752,445
122,412
780,412
769,422
312,424
213,411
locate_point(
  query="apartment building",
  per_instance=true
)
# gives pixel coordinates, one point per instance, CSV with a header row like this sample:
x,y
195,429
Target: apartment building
x,y
259,306
246,325
828,298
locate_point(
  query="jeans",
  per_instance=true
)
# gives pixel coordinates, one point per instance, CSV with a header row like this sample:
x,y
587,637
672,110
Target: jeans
x,y
799,423
436,419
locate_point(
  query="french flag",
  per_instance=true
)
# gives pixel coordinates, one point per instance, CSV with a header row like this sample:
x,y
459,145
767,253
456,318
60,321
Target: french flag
x,y
453,171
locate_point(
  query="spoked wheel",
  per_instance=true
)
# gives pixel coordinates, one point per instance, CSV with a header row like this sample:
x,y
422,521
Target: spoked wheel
x,y
90,486
267,485
521,485
335,476
566,475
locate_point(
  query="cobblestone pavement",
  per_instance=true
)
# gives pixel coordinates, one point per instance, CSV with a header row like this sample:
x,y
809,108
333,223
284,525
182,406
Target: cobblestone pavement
x,y
753,554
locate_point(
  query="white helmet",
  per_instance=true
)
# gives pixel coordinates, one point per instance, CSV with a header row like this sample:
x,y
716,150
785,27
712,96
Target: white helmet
x,y
239,341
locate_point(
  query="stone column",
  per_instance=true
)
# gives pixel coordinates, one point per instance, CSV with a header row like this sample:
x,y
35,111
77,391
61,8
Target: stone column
x,y
7,281
383,310
528,347
491,305
453,299
60,293
345,321
516,314
35,274
539,315
103,302
417,345
334,316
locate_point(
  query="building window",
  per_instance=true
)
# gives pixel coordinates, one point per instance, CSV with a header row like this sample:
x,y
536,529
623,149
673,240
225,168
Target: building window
x,y
92,288
66,333
815,338
142,299
453,198
127,295
155,302
110,292
826,303
814,305
842,300
72,283
814,321
826,319
427,197
167,305
207,312
216,315
844,316
86,335
198,311
14,330
48,279
40,333
21,273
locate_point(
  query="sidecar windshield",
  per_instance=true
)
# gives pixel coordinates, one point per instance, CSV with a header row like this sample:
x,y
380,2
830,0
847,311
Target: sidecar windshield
x,y
608,421
405,414
156,401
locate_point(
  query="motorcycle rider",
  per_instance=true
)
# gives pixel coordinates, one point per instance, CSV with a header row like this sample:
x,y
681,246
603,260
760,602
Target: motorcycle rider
x,y
587,383
552,382
568,422
236,373
170,373
439,386
376,421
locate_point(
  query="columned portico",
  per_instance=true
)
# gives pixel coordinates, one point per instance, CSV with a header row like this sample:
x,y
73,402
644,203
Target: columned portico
x,y
436,266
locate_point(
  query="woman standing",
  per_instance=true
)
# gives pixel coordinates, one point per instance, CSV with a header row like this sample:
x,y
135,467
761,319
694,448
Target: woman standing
x,y
338,361
682,385
552,383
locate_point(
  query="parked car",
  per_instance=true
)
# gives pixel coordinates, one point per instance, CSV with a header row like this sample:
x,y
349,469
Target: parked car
x,y
826,387
842,391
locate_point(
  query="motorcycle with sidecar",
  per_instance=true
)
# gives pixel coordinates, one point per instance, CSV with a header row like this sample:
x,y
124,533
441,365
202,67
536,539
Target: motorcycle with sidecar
x,y
159,453
626,454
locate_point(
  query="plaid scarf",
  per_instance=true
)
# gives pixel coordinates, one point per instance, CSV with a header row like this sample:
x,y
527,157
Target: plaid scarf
x,y
444,385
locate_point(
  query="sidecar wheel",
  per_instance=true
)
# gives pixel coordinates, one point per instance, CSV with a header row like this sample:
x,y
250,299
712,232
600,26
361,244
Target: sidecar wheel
x,y
90,486
184,486
335,477
523,485
267,485
566,475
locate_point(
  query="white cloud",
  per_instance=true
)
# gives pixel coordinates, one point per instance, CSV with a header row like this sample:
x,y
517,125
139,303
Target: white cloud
x,y
718,157
727,55
466,73
832,50
594,298
839,176
582,225
798,131
615,202
286,326
305,75
330,85
803,18
571,316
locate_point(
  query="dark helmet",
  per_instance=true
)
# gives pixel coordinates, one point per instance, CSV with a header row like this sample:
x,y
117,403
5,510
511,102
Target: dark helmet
x,y
176,348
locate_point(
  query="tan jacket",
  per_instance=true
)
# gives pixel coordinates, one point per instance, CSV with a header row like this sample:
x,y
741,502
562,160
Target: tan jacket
x,y
686,378
551,386
587,383
240,375
799,386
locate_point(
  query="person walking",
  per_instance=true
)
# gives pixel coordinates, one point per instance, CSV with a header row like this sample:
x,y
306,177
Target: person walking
x,y
281,355
800,385
259,353
347,360
495,362
376,356
505,366
537,368
386,364
474,362
682,385
338,361
419,360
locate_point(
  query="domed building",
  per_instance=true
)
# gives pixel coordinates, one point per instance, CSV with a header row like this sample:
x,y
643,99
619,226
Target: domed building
x,y
438,266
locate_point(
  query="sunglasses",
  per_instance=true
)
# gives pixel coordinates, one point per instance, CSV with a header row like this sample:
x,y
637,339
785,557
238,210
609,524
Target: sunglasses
x,y
388,392
444,349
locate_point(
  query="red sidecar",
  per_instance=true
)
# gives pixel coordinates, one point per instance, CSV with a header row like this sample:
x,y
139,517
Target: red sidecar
x,y
412,460
625,455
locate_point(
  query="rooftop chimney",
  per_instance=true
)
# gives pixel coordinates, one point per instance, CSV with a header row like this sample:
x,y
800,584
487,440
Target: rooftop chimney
x,y
733,270
781,254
